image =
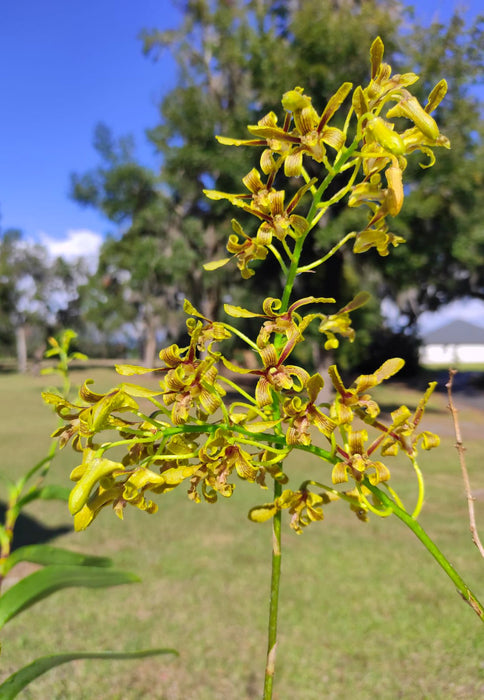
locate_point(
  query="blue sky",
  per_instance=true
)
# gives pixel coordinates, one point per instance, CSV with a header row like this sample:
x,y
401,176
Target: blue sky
x,y
65,66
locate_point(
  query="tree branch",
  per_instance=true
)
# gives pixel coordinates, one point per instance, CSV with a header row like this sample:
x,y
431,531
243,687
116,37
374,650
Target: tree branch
x,y
461,450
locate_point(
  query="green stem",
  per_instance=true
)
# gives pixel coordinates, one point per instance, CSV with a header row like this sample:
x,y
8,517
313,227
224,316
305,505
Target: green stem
x,y
330,176
276,521
293,270
240,430
417,529
421,489
334,249
274,603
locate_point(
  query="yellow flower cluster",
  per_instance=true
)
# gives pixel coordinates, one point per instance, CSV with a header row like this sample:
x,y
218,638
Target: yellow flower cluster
x,y
178,442
189,428
383,148
378,153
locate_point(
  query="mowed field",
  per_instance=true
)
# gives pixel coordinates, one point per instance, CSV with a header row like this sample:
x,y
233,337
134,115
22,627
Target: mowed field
x,y
365,611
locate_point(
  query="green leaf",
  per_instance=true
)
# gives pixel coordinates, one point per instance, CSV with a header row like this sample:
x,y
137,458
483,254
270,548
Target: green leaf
x,y
43,583
52,492
15,683
47,555
78,356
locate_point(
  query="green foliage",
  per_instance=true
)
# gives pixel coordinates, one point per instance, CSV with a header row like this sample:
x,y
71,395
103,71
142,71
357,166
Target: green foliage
x,y
31,287
24,286
139,274
18,681
52,578
48,555
234,61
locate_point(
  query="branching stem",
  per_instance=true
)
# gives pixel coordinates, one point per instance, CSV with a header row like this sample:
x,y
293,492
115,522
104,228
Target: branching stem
x,y
465,474
417,529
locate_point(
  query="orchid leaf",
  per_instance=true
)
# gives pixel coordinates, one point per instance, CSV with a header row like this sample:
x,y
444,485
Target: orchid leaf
x,y
51,492
45,555
44,582
19,680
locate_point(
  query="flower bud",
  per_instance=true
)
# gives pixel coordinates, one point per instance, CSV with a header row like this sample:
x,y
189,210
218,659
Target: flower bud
x,y
394,199
294,100
386,137
96,469
411,108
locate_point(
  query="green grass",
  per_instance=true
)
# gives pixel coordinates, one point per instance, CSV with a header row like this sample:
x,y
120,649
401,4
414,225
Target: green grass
x,y
364,612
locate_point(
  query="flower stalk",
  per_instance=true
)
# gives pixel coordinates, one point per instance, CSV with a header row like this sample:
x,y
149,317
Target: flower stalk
x,y
276,560
462,588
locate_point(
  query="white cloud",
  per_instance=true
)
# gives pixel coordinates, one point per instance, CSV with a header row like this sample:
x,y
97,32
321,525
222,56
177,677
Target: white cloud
x,y
466,309
77,243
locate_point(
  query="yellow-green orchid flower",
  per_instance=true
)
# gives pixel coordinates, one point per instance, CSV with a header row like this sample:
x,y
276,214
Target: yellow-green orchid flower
x,y
250,249
348,399
403,430
310,134
267,204
302,414
288,323
357,463
340,322
275,374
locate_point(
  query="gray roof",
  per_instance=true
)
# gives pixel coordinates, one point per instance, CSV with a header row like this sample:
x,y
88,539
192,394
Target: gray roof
x,y
455,332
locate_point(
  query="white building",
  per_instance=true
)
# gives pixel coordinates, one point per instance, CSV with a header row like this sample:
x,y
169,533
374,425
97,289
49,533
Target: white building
x,y
456,343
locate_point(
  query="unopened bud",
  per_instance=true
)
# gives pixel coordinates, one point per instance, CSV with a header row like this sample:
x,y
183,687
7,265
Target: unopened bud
x,y
386,137
294,100
411,108
395,189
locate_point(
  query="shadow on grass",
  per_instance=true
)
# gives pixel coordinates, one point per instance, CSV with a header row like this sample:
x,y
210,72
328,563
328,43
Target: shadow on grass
x,y
29,530
7,368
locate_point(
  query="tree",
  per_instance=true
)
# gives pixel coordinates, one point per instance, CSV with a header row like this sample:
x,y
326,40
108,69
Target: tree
x,y
35,292
23,278
136,280
235,60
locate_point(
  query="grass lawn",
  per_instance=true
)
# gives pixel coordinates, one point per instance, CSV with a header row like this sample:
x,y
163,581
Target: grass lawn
x,y
365,611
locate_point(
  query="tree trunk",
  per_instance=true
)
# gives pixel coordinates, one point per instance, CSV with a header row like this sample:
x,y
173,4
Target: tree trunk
x,y
21,343
149,351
